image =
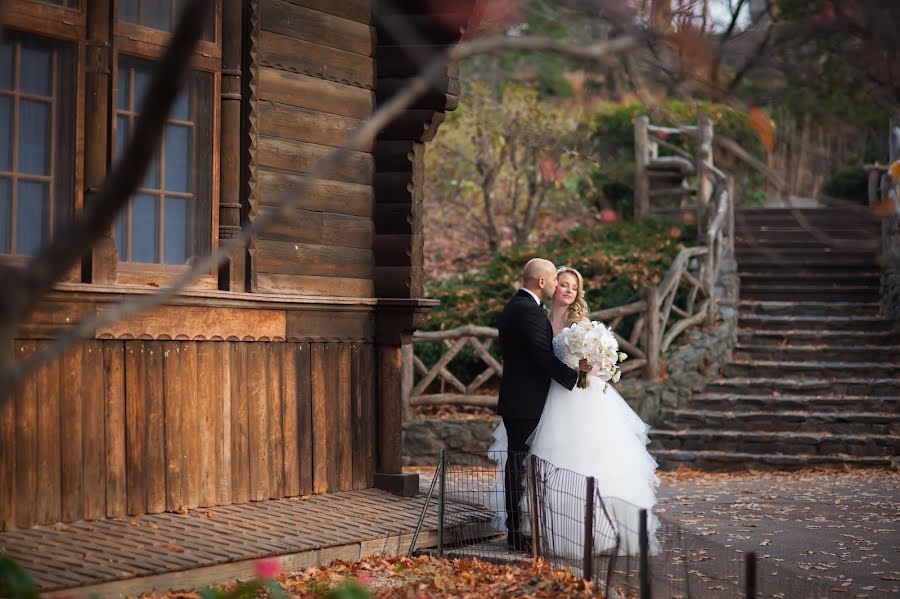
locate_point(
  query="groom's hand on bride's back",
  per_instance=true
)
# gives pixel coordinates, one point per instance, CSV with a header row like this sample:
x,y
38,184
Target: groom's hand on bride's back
x,y
583,365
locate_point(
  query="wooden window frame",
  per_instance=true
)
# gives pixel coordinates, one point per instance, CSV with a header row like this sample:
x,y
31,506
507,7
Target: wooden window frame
x,y
148,44
66,25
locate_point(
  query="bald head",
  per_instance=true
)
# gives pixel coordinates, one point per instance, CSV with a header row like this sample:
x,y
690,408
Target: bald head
x,y
539,276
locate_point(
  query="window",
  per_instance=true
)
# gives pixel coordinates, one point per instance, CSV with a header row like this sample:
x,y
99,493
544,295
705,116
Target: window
x,y
37,90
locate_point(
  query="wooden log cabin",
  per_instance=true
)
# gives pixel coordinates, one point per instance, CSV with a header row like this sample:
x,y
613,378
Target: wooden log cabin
x,y
277,375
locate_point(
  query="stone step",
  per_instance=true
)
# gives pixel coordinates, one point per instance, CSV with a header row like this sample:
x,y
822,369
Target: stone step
x,y
764,442
813,323
842,423
771,251
812,278
751,307
750,336
823,264
775,384
671,459
813,403
749,368
800,293
744,352
798,239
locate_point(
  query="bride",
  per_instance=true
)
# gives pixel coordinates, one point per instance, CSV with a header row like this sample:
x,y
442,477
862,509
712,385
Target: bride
x,y
595,433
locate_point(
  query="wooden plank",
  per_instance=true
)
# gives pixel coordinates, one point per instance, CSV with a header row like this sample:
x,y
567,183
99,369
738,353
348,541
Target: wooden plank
x,y
302,157
156,434
356,10
136,428
174,380
94,431
256,375
308,226
346,447
358,418
370,439
240,423
323,195
8,457
48,501
314,285
114,407
305,458
224,356
69,385
315,59
289,414
284,257
320,431
303,124
198,323
26,443
304,91
207,382
324,326
313,25
194,435
332,415
274,355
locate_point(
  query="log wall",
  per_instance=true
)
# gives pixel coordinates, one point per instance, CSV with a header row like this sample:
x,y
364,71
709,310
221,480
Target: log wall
x,y
313,74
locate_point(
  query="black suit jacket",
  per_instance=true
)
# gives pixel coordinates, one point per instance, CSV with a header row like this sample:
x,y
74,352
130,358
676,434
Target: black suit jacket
x,y
526,344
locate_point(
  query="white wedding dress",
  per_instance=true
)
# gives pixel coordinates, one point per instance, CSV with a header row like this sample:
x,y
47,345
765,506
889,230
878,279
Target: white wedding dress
x,y
595,433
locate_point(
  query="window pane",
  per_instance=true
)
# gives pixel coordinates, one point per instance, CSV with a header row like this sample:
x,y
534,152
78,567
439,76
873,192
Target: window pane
x,y
32,211
123,93
151,177
35,71
142,74
34,137
5,214
122,235
128,11
181,109
6,132
6,70
178,157
121,135
144,228
158,14
176,231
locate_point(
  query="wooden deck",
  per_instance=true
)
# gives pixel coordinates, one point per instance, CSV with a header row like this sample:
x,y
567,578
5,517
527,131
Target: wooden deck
x,y
127,556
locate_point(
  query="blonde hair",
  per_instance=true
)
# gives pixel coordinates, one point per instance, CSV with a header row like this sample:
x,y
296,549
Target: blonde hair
x,y
578,310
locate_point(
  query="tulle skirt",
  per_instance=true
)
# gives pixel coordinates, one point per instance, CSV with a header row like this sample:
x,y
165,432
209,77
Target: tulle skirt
x,y
592,432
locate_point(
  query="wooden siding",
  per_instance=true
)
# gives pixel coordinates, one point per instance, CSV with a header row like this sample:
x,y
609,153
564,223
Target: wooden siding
x,y
316,76
125,427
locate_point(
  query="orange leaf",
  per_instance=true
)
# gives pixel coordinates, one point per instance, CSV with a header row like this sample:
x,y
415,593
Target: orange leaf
x,y
763,126
884,207
894,170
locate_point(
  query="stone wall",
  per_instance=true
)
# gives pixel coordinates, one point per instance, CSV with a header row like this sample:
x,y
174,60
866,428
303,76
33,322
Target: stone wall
x,y
696,358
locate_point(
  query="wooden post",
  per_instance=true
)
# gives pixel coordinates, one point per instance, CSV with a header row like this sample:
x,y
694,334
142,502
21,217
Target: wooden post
x,y
750,575
232,276
704,175
407,370
390,444
102,263
641,160
644,567
532,498
651,332
587,563
732,206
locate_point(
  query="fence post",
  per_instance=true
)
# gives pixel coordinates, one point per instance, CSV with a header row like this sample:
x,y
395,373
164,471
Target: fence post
x,y
644,564
442,466
641,159
587,566
406,379
651,332
750,574
532,498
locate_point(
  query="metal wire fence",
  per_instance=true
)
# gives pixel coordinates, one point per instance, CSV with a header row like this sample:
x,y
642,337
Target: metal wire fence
x,y
484,506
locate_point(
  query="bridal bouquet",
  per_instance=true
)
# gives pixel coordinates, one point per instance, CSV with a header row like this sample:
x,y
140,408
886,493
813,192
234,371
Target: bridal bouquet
x,y
597,344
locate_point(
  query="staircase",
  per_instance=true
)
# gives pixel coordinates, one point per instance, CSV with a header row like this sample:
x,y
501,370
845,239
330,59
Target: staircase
x,y
815,376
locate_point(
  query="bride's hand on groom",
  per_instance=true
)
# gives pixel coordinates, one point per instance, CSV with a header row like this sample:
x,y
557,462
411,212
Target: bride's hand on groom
x,y
583,366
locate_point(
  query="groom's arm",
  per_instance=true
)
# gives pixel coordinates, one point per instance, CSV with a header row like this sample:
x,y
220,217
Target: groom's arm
x,y
540,346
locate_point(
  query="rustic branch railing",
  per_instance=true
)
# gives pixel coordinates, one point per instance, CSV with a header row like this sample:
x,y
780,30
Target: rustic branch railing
x,y
884,198
686,297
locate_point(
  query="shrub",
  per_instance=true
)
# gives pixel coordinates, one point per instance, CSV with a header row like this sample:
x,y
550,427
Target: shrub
x,y
849,183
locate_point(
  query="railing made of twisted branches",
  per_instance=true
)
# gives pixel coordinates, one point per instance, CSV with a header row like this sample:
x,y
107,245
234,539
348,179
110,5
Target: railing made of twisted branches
x,y
686,297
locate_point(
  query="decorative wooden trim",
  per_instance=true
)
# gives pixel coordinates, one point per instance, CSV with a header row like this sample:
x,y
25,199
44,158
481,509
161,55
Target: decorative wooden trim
x,y
38,17
250,122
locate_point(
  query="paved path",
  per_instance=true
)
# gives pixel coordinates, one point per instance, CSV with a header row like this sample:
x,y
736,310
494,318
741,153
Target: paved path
x,y
828,533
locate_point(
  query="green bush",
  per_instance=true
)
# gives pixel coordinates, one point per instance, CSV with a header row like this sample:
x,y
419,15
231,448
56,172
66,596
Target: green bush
x,y
849,183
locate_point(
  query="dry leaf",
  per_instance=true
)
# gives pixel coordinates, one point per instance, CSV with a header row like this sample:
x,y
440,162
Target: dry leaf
x,y
763,126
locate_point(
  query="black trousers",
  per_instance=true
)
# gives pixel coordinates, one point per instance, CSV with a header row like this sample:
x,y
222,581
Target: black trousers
x,y
517,431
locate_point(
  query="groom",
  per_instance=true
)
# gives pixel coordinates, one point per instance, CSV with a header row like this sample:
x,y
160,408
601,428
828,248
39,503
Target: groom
x,y
526,345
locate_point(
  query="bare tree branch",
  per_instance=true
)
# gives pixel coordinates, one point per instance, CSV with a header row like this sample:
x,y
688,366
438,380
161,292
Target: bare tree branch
x,y
364,133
